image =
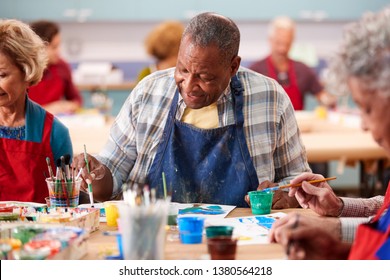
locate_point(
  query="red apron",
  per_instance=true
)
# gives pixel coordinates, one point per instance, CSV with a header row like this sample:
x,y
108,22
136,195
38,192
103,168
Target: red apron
x,y
22,167
292,88
368,239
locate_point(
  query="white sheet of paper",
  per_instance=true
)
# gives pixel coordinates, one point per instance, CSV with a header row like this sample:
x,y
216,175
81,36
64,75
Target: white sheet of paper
x,y
250,229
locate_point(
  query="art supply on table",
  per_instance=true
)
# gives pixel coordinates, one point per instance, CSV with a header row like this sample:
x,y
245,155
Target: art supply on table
x,y
79,174
261,202
118,236
63,193
112,212
190,229
60,184
67,169
172,214
146,195
64,187
142,228
214,231
89,172
222,248
51,174
164,185
297,185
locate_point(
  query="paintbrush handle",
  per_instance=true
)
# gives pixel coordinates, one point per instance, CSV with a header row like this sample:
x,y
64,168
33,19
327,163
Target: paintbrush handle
x,y
311,182
297,185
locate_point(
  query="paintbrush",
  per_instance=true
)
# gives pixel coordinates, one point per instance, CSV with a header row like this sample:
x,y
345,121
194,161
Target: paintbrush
x,y
297,185
51,173
66,164
89,185
61,181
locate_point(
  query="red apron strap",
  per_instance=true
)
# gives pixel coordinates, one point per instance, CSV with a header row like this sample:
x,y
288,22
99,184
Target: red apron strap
x,y
292,88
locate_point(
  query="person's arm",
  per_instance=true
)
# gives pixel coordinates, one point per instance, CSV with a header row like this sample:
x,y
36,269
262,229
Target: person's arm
x,y
314,86
71,93
361,207
62,107
326,99
349,226
331,225
303,238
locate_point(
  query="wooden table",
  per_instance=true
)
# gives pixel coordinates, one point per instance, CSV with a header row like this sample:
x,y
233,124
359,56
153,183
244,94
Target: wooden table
x,y
174,250
327,139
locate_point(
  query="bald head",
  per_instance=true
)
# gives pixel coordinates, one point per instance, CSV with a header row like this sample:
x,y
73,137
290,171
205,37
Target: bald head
x,y
281,36
281,23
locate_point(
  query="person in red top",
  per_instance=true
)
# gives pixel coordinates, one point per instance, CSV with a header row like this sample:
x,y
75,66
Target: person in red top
x,y
296,78
56,91
29,135
363,65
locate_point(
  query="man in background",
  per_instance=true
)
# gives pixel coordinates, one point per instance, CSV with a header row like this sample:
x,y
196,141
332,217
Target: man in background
x,y
296,78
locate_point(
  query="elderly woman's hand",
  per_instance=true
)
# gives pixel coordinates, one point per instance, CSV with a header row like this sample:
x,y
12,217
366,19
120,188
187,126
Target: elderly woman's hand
x,y
320,198
308,238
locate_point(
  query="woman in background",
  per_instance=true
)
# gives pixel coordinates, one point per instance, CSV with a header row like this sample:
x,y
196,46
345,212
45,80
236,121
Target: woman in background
x,y
28,134
56,91
162,44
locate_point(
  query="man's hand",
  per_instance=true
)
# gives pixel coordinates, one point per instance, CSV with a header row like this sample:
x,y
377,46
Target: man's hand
x,y
281,200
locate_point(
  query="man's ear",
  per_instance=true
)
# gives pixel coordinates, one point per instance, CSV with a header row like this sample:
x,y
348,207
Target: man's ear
x,y
234,65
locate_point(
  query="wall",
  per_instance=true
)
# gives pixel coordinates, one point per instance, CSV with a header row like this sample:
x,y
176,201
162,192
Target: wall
x,y
114,30
123,42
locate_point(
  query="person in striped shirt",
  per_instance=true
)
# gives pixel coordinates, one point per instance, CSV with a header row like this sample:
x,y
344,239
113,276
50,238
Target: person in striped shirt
x,y
213,128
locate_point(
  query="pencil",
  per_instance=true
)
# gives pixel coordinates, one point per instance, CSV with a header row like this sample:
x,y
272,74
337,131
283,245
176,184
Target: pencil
x,y
298,184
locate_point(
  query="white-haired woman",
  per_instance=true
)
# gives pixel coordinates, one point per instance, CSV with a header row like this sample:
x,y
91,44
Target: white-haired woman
x,y
363,66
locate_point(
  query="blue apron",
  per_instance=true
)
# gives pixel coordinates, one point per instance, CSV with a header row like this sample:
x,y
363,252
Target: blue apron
x,y
205,165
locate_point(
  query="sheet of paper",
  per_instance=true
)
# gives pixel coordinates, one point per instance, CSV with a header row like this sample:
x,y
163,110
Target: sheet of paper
x,y
209,211
250,229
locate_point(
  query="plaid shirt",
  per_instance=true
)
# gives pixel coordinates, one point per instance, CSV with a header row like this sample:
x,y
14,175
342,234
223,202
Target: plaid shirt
x,y
362,210
270,128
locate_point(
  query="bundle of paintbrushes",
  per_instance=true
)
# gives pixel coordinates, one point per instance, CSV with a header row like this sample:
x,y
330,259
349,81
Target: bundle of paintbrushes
x,y
63,187
136,194
142,221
